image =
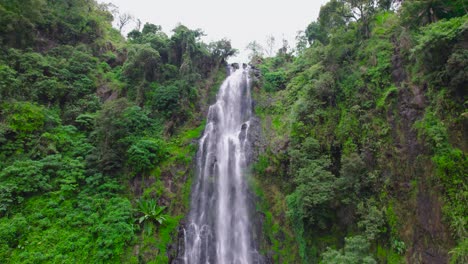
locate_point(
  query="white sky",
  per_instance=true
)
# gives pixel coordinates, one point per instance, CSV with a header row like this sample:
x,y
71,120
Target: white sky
x,y
241,21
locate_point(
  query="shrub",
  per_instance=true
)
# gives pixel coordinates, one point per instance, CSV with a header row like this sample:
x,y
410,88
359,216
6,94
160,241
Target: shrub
x,y
355,251
24,117
274,81
145,154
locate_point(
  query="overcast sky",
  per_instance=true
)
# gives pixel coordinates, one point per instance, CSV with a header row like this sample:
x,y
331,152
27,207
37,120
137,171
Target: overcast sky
x,y
241,21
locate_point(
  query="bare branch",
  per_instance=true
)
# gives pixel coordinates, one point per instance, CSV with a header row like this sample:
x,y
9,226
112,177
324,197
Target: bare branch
x,y
270,44
124,19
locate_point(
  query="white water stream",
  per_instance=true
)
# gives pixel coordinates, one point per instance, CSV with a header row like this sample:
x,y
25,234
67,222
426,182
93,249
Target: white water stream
x,y
218,228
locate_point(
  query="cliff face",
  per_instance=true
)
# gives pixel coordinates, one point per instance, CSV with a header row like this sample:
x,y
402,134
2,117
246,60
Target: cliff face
x,y
421,205
392,135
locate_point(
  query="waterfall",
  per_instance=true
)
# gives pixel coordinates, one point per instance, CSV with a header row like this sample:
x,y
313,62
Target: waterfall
x,y
218,226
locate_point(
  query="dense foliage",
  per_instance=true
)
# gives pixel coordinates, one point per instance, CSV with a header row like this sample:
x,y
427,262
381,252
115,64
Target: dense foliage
x,y
365,130
89,122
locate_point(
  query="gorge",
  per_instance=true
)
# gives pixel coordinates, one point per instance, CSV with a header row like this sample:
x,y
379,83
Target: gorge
x,y
348,146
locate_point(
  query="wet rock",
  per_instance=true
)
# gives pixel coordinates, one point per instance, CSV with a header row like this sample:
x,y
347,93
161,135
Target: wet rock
x,y
176,251
255,137
106,93
419,101
398,72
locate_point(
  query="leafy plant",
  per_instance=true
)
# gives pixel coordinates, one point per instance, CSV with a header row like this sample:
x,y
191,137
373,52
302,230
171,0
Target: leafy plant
x,y
145,154
24,117
355,251
152,214
460,253
372,219
274,81
399,246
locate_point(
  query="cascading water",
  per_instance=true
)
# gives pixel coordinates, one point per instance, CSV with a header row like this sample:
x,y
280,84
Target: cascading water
x,y
218,228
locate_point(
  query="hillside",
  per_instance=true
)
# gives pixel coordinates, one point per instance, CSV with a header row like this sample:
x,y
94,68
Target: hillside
x,y
96,132
364,150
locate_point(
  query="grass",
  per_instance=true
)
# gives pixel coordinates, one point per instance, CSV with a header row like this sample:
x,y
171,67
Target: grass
x,y
165,237
180,147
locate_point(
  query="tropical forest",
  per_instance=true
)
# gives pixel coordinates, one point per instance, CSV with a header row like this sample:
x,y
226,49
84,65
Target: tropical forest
x,y
144,144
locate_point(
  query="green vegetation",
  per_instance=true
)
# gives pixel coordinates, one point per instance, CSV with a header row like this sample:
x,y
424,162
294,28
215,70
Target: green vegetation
x,y
369,152
151,213
355,251
363,125
96,132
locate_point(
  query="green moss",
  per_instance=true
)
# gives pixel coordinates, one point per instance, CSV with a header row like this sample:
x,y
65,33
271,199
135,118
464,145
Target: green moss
x,y
165,236
389,256
381,102
181,148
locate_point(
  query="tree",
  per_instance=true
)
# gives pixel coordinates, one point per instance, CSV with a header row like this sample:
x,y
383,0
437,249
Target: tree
x,y
20,178
149,28
275,81
256,50
371,219
24,117
108,7
301,42
123,20
17,21
116,124
440,58
386,4
314,32
185,45
134,35
167,99
325,88
353,178
221,50
363,10
142,66
284,47
314,191
302,154
8,82
422,12
356,251
334,14
138,24
145,154
270,44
